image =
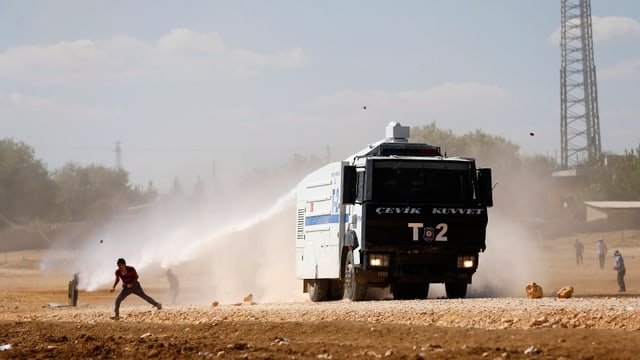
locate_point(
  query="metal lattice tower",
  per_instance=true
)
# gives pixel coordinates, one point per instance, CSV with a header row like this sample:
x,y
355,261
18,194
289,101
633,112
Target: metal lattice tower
x,y
579,119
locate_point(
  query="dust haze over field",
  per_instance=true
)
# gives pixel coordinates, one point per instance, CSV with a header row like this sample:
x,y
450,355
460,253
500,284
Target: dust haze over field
x,y
514,255
235,240
513,258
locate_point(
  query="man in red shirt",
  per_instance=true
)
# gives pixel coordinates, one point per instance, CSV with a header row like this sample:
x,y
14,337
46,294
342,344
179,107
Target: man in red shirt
x,y
130,285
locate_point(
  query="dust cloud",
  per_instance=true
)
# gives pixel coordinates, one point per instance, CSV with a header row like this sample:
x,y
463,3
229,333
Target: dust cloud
x,y
523,199
233,240
245,247
229,242
256,257
513,258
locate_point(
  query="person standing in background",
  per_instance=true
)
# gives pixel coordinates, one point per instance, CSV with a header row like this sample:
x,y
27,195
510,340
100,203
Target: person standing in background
x,y
174,286
619,267
602,251
579,247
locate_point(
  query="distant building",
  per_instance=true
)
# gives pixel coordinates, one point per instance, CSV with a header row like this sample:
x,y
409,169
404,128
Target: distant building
x,y
622,213
568,187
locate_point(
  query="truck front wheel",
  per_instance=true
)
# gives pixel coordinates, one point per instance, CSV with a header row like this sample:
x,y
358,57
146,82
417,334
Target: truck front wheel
x,y
354,290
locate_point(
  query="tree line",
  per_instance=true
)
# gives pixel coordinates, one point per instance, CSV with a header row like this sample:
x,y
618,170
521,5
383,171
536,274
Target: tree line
x,y
525,182
30,193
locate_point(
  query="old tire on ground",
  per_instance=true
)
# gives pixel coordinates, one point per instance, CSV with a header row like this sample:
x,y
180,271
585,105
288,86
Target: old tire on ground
x,y
456,290
354,290
318,289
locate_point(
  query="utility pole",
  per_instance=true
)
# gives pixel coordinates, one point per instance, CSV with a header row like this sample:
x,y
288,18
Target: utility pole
x,y
579,118
118,156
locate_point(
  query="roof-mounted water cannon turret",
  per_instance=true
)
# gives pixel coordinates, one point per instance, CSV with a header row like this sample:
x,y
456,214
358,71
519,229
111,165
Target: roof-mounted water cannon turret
x,y
396,143
397,133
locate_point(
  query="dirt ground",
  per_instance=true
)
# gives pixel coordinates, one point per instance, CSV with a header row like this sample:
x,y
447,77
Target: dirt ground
x,y
597,323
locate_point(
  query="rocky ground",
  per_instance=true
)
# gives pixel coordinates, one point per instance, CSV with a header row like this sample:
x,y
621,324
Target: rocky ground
x,y
576,328
596,323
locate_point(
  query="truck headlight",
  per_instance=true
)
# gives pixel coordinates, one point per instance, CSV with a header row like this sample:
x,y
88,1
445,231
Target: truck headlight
x,y
378,260
466,262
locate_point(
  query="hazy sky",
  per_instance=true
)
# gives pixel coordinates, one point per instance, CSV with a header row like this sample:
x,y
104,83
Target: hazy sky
x,y
248,83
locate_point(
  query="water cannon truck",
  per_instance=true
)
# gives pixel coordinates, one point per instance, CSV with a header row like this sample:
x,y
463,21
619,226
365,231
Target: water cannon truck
x,y
395,215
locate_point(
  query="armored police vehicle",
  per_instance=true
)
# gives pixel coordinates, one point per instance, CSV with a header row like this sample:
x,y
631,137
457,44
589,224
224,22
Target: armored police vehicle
x,y
396,214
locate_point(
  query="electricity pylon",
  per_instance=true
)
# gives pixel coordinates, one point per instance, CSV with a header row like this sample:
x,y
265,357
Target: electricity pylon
x,y
579,118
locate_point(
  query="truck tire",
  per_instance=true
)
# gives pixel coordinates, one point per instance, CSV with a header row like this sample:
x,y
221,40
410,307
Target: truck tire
x,y
355,291
456,290
318,289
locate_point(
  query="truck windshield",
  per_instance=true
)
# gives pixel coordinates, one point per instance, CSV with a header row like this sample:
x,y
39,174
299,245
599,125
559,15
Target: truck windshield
x,y
422,182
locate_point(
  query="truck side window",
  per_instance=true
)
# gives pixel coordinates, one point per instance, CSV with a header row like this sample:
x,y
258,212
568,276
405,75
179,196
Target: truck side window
x,y
360,187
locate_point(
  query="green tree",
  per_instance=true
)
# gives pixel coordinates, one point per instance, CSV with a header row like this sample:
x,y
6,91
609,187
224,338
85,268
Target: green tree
x,y
520,181
26,190
149,194
96,192
619,182
488,149
445,139
177,190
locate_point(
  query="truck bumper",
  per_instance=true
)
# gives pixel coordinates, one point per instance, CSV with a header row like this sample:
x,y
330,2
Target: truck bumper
x,y
421,267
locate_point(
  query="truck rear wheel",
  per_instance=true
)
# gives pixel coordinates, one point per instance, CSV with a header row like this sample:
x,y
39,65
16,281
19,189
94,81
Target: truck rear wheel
x,y
456,290
354,290
318,289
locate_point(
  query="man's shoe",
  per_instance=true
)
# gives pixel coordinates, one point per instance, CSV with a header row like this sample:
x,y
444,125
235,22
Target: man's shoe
x,y
114,317
159,306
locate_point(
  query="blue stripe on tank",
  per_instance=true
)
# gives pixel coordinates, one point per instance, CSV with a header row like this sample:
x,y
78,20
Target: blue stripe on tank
x,y
324,219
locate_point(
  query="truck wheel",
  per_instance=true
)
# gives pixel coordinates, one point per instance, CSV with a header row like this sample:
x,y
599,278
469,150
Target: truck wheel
x,y
318,289
336,290
354,290
456,290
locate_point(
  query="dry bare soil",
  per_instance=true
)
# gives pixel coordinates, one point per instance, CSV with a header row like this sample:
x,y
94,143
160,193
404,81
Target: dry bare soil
x,y
597,323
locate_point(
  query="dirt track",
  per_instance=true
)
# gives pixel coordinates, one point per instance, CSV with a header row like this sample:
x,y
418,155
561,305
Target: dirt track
x,y
605,327
598,323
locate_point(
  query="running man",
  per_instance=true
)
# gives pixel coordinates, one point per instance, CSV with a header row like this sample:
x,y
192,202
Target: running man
x,y
130,285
